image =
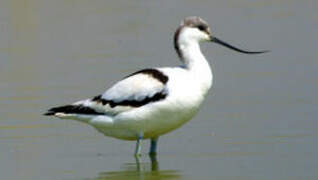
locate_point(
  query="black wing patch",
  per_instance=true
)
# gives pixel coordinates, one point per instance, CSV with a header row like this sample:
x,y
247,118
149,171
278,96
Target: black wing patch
x,y
72,109
133,103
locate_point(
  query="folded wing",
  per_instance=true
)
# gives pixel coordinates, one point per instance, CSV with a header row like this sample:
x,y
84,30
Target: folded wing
x,y
136,90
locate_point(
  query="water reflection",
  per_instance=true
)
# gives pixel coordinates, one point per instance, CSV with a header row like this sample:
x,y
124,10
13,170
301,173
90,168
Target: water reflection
x,y
140,170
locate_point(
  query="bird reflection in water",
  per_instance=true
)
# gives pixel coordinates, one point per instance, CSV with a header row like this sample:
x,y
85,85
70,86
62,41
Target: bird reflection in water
x,y
140,170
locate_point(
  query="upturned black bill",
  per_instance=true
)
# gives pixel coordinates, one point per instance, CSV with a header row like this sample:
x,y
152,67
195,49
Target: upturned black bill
x,y
218,41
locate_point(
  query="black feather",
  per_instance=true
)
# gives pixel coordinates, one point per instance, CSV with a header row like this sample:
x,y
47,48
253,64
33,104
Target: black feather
x,y
154,73
133,103
72,109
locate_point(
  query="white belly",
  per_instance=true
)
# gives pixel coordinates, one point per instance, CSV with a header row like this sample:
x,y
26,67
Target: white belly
x,y
153,121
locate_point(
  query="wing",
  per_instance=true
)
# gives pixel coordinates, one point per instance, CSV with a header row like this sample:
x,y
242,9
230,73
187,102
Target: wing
x,y
136,90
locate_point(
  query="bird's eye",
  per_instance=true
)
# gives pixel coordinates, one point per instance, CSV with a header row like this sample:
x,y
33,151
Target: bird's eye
x,y
201,28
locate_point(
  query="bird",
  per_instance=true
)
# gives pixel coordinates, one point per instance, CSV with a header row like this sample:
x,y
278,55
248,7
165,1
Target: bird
x,y
153,101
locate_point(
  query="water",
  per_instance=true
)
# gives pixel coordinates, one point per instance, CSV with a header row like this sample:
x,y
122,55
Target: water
x,y
258,122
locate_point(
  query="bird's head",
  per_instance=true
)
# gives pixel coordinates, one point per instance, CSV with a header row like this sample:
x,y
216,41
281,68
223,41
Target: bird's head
x,y
194,29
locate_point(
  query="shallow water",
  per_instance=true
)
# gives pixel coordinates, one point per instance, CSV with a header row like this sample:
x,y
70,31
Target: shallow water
x,y
258,122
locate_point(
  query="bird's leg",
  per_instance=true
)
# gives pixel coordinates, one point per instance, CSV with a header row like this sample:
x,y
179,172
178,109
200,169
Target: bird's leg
x,y
138,145
138,163
153,146
154,162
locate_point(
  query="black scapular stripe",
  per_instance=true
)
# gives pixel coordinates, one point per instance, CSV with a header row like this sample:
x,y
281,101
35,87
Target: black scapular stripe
x,y
133,103
154,73
72,109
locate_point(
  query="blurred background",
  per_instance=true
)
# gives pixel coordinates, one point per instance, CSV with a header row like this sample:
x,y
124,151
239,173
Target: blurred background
x,y
258,122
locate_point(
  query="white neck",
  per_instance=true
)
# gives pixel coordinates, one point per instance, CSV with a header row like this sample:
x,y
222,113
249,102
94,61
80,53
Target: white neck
x,y
192,55
195,62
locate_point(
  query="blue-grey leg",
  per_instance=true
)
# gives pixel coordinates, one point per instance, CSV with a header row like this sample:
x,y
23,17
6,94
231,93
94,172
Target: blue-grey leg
x,y
138,145
153,146
138,163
